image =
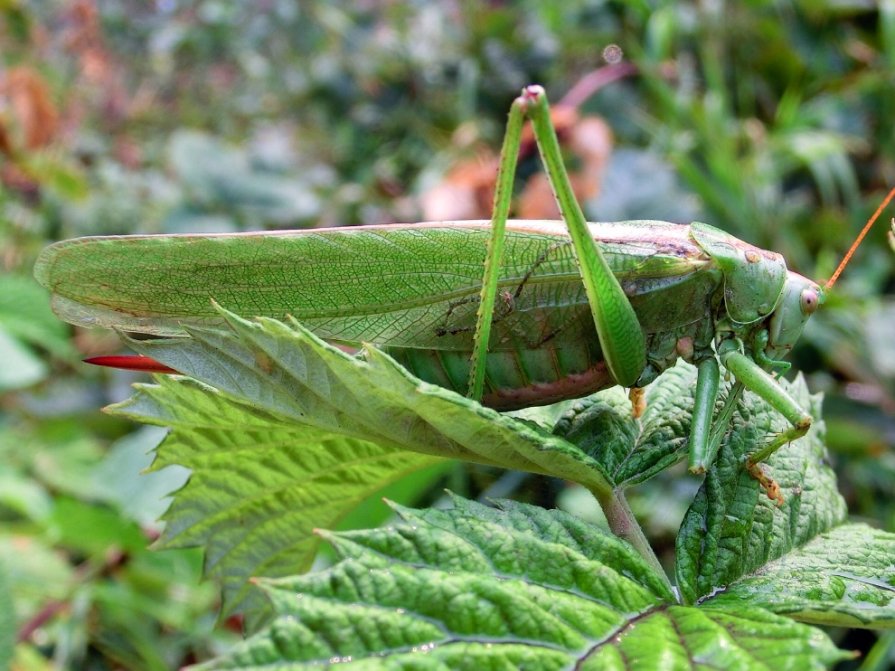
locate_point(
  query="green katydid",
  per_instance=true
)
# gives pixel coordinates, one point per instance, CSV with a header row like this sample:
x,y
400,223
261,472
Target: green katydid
x,y
560,313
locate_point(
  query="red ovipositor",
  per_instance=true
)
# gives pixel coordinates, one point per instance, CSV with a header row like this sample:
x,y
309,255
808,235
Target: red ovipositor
x,y
131,362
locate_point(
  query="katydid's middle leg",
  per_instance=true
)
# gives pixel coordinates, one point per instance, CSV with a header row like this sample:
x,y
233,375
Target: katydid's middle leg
x,y
621,338
701,449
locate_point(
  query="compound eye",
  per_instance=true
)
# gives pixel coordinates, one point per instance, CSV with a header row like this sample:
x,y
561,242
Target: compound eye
x,y
810,301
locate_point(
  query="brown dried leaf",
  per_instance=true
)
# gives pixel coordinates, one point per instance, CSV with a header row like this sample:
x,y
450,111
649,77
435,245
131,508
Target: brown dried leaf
x,y
466,192
5,142
33,110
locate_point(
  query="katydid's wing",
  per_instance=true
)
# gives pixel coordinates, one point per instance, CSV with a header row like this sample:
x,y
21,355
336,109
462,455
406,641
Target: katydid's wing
x,y
402,285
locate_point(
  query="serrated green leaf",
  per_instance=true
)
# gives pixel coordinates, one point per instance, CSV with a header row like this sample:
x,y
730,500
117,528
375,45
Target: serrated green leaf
x,y
634,450
844,578
521,587
732,528
503,535
260,484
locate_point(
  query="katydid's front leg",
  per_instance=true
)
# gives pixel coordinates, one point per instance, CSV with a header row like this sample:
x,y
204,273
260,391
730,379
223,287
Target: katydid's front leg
x,y
621,338
704,444
760,382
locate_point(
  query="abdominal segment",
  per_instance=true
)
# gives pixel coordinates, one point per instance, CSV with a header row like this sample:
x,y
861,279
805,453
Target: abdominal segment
x,y
515,378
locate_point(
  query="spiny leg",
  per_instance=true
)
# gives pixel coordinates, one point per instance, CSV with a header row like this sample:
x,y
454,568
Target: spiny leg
x,y
503,195
705,443
621,338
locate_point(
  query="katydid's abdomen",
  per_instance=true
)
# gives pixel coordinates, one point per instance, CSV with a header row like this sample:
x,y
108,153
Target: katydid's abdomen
x,y
516,378
411,289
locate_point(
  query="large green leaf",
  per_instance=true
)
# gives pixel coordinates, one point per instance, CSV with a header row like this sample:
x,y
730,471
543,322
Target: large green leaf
x,y
520,587
260,483
733,528
844,577
285,434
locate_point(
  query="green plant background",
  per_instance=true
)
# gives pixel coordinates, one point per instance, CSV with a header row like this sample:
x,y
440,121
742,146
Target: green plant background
x,y
773,120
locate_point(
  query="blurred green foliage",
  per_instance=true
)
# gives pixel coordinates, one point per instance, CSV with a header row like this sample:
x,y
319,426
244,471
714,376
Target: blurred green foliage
x,y
773,120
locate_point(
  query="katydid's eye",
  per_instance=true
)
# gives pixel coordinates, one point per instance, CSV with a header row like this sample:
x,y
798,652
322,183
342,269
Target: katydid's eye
x,y
809,301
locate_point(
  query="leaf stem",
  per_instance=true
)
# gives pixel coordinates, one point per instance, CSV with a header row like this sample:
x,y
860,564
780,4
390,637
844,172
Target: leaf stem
x,y
624,525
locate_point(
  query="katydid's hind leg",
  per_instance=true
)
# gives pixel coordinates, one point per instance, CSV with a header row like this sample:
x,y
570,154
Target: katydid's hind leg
x,y
621,338
760,382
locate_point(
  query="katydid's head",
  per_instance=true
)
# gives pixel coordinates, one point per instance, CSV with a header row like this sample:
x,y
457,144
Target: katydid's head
x,y
799,300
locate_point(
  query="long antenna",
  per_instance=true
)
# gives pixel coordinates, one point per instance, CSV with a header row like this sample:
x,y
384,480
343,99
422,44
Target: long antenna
x,y
860,237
